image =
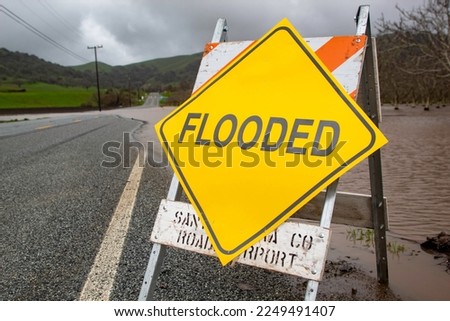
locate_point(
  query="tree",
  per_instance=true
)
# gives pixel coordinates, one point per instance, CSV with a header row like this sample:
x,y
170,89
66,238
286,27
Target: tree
x,y
418,44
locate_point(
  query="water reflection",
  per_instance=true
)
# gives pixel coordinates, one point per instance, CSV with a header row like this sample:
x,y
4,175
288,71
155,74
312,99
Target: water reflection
x,y
416,172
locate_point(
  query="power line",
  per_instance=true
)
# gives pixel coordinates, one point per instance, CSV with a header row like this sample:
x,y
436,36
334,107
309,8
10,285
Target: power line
x,y
58,16
57,31
40,34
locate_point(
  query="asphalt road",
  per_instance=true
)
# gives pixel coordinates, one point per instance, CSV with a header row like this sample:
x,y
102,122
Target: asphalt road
x,y
56,204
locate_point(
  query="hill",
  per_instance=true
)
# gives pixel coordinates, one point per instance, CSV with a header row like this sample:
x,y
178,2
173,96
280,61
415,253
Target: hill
x,y
102,67
152,75
17,68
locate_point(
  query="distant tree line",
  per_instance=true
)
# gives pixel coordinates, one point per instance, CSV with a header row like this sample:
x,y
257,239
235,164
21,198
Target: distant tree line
x,y
414,55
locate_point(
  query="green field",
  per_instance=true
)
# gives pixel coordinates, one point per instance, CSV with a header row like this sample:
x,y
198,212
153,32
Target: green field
x,y
43,95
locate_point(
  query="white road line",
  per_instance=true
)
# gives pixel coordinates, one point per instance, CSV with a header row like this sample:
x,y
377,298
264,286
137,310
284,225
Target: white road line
x,y
43,127
99,283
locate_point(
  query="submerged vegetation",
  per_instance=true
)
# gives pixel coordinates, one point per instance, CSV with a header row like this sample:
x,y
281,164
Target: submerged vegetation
x,y
366,237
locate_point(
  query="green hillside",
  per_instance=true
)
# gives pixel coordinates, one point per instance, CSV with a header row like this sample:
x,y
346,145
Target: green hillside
x,y
23,75
17,67
170,63
102,67
42,95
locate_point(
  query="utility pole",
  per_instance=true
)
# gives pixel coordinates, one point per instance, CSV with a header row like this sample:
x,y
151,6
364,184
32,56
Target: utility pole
x,y
96,71
129,89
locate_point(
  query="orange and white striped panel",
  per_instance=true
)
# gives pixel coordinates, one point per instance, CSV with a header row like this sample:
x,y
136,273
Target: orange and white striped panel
x,y
343,55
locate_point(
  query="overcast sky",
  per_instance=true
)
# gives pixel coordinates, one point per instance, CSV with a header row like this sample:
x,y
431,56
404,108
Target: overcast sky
x,y
137,30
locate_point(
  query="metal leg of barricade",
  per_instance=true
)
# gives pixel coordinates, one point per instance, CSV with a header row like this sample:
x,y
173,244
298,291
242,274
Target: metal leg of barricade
x,y
370,102
158,252
325,221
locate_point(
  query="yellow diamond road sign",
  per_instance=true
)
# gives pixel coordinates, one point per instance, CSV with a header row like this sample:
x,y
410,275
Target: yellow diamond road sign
x,y
262,137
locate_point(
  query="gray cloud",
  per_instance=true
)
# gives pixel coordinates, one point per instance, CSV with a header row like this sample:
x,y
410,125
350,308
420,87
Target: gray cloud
x,y
136,30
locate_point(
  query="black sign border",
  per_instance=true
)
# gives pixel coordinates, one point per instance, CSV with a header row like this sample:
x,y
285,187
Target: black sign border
x,y
313,189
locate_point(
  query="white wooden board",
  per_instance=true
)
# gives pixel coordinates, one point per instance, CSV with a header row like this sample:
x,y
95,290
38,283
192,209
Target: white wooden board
x,y
294,248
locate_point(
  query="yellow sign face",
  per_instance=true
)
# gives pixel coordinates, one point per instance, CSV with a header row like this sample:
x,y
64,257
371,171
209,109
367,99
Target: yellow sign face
x,y
262,137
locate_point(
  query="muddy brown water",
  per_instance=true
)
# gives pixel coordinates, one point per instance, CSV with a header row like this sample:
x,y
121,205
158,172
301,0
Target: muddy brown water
x,y
416,179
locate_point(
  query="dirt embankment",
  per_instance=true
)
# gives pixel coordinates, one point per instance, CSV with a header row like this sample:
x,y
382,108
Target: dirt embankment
x,y
439,246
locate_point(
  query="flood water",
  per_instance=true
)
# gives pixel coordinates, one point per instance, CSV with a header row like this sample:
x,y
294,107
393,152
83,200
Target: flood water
x,y
416,180
416,171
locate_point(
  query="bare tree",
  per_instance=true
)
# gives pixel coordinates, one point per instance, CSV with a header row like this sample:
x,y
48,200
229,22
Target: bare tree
x,y
418,45
425,31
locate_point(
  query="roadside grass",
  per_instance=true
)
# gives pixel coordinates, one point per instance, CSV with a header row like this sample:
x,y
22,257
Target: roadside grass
x,y
15,120
43,95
